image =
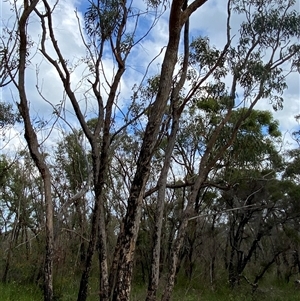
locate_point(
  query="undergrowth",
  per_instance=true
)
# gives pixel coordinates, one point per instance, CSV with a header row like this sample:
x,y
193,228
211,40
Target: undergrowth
x,y
67,291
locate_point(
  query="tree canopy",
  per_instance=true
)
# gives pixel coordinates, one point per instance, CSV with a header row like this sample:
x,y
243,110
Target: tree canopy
x,y
157,170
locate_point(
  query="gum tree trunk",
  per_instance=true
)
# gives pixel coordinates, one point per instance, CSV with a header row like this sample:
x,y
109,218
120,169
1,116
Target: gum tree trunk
x,y
35,153
162,181
128,236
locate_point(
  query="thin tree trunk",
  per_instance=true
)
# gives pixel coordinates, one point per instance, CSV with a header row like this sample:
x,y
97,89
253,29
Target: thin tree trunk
x,y
205,165
114,265
33,145
162,181
128,236
83,288
154,275
177,245
187,214
7,263
102,251
10,248
49,240
133,214
98,219
98,232
174,261
79,207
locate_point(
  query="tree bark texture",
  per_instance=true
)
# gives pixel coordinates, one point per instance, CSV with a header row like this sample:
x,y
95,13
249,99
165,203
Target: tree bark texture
x,y
162,181
35,153
133,214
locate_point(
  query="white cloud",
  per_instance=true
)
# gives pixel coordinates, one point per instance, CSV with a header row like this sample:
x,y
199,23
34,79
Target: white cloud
x,y
209,20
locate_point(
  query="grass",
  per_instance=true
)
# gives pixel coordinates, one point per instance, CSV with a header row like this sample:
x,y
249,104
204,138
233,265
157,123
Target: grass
x,y
279,292
17,292
285,292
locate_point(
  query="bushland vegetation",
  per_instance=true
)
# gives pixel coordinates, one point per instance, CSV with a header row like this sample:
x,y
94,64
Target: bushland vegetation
x,y
184,189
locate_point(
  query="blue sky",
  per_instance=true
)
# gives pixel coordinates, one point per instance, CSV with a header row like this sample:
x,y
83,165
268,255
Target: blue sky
x,y
209,20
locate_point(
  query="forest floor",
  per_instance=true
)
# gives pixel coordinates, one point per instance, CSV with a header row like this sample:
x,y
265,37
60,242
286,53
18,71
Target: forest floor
x,y
283,292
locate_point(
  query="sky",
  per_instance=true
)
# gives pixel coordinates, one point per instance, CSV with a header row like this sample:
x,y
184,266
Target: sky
x,y
209,20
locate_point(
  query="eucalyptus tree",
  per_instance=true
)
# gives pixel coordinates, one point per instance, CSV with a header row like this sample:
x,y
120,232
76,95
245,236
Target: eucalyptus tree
x,y
242,175
292,167
262,230
266,42
22,217
289,187
111,27
19,53
109,31
71,180
257,136
105,28
7,116
248,176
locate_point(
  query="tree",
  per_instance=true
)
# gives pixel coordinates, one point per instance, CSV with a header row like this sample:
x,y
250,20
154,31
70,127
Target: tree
x,y
7,116
33,144
154,122
257,75
72,180
22,215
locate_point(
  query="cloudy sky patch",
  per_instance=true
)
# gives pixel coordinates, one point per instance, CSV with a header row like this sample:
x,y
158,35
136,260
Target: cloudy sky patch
x,y
209,20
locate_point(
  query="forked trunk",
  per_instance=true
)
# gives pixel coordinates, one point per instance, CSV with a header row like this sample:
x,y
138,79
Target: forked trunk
x,y
177,245
132,219
162,181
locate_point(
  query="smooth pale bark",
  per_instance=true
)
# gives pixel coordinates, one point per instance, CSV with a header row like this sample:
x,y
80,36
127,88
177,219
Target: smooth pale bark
x,y
80,211
154,276
100,155
114,265
179,240
104,162
162,181
33,146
